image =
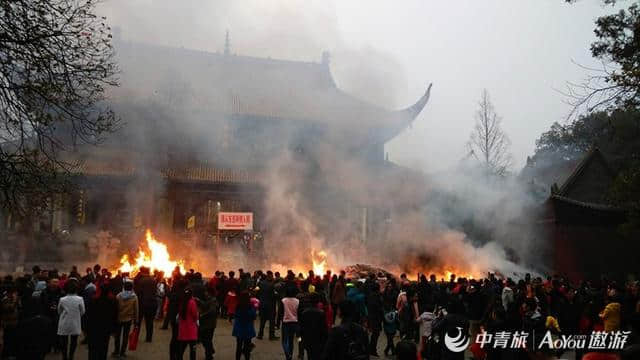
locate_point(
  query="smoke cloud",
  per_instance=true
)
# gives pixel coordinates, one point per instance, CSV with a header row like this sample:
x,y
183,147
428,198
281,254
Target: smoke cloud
x,y
317,198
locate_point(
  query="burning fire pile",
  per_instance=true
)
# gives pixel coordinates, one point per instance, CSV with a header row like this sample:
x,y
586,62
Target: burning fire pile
x,y
156,258
321,263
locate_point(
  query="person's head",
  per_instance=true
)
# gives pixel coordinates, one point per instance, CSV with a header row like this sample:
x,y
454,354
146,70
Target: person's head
x,y
96,268
36,270
71,286
454,306
406,350
244,300
184,302
530,304
290,291
374,288
347,310
53,283
105,290
11,292
88,270
128,285
231,274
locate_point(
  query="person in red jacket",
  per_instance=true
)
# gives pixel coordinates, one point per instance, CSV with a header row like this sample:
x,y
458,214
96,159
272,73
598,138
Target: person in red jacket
x,y
188,325
230,302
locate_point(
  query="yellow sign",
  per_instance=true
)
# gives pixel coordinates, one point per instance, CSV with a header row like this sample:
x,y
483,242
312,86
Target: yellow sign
x,y
191,222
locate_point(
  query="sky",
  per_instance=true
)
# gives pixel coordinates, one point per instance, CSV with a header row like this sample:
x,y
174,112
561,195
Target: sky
x,y
387,52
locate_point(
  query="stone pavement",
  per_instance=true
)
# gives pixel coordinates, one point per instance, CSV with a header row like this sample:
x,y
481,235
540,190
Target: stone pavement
x,y
223,342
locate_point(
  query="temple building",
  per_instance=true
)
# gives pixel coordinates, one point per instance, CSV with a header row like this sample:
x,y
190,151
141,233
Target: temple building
x,y
206,132
580,224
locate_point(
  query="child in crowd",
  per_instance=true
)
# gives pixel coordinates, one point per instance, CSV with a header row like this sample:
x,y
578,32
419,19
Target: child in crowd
x,y
390,328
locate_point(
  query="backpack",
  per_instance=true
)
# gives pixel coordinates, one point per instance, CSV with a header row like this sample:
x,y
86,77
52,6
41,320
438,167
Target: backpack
x,y
355,350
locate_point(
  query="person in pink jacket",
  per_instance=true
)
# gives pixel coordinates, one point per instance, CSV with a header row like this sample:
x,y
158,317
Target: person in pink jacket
x,y
188,325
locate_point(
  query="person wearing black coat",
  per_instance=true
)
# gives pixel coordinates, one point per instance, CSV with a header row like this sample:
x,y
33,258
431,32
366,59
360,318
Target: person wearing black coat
x,y
267,295
102,317
179,285
49,299
375,316
116,284
33,335
313,330
346,337
208,311
145,288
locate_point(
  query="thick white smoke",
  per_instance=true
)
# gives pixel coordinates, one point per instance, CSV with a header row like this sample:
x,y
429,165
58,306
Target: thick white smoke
x,y
424,227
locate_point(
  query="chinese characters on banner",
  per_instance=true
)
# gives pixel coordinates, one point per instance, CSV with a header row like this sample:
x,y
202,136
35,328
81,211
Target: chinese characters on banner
x,y
235,221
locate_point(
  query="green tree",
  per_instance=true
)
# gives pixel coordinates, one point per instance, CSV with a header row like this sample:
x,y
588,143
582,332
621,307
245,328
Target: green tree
x,y
625,192
56,62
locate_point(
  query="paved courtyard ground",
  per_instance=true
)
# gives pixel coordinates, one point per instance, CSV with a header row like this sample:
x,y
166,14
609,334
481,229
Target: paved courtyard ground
x,y
224,344
223,341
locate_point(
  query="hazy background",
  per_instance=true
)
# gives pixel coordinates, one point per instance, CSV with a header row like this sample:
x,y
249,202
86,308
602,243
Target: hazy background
x,y
387,52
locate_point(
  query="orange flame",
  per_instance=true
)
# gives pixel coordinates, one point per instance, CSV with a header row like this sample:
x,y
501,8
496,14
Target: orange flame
x,y
158,258
319,260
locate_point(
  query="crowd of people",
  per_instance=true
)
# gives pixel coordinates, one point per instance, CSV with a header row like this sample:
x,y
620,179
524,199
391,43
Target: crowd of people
x,y
317,316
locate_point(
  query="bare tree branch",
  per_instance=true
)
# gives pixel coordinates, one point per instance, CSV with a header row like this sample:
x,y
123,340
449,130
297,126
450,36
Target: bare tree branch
x,y
617,84
56,60
488,143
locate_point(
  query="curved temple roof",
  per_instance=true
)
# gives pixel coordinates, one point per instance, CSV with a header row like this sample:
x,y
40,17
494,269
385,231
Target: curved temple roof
x,y
255,87
400,119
